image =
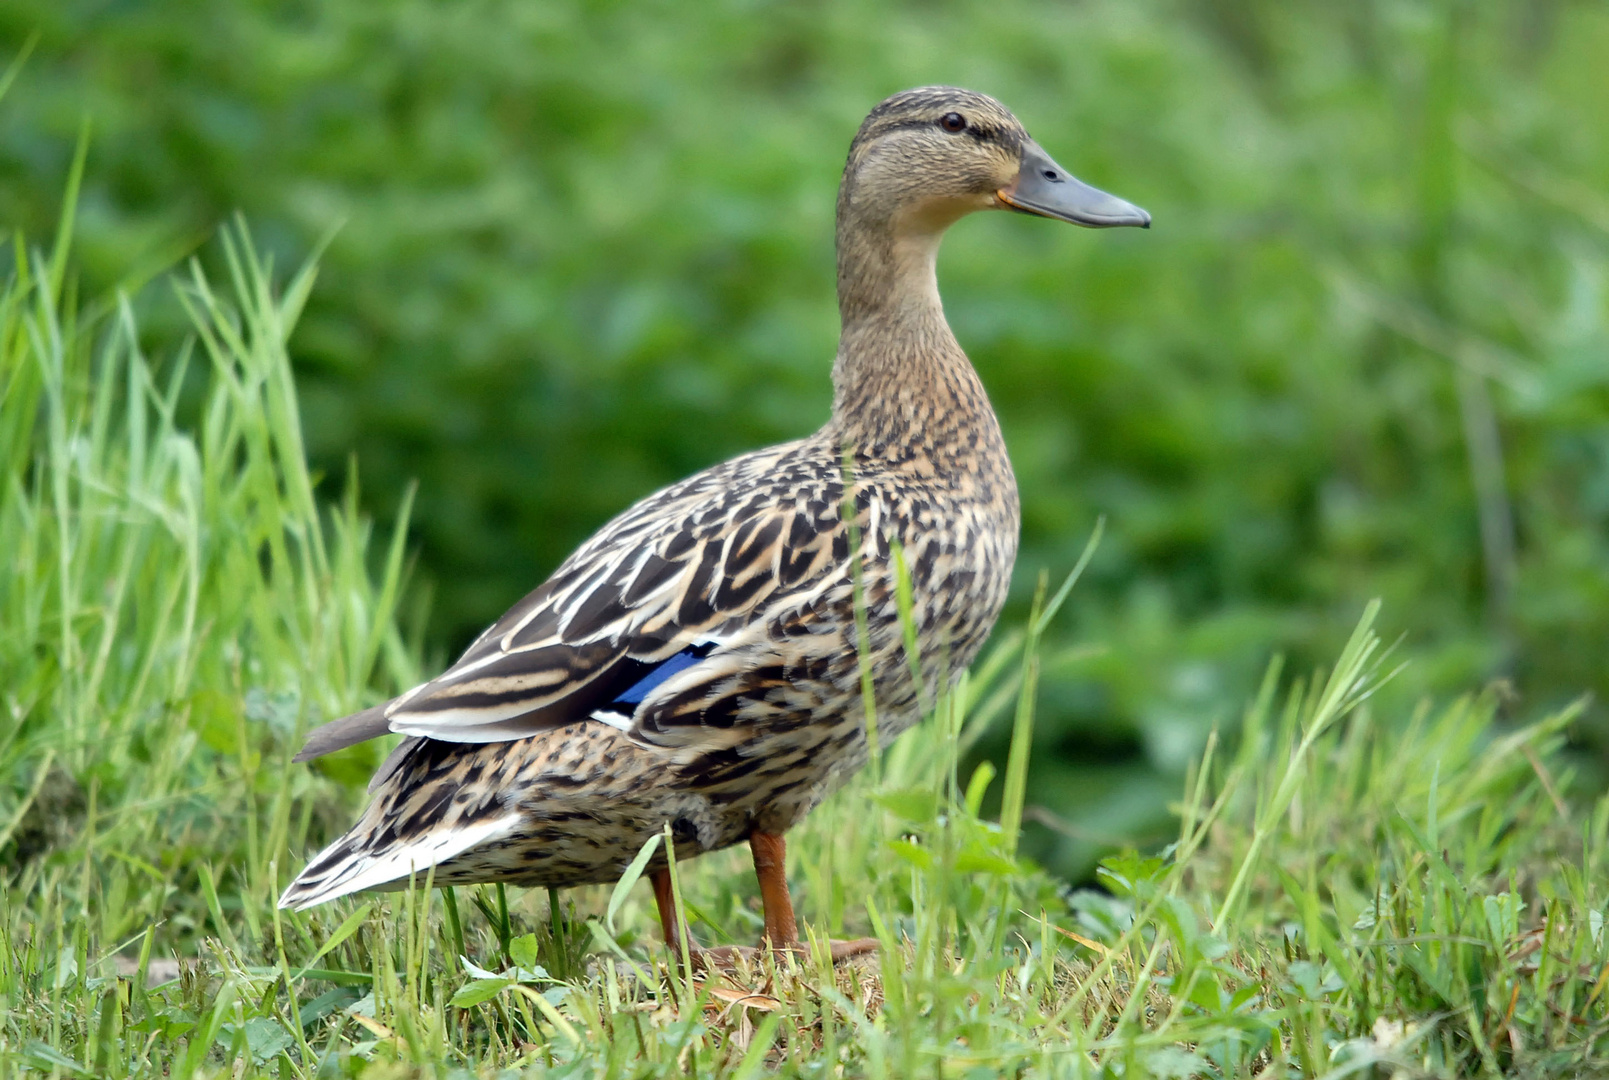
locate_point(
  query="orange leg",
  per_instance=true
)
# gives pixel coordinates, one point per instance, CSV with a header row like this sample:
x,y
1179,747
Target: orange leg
x,y
770,866
671,927
667,909
781,928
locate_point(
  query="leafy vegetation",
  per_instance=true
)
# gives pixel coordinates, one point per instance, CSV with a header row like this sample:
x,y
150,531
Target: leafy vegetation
x,y
584,249
1351,891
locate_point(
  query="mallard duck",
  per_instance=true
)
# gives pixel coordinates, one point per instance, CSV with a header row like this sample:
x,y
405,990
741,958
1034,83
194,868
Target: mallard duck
x,y
696,663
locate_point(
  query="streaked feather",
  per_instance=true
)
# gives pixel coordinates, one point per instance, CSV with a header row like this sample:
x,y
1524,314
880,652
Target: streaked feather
x,y
697,663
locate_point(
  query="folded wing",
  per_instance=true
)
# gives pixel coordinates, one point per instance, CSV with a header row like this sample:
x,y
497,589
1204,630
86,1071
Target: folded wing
x,y
634,615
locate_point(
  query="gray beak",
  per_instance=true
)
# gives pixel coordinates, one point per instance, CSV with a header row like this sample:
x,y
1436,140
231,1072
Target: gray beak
x,y
1045,188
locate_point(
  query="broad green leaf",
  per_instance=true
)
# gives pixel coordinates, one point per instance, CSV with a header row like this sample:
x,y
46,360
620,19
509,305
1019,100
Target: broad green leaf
x,y
45,1057
920,806
476,971
481,990
912,853
522,950
1127,870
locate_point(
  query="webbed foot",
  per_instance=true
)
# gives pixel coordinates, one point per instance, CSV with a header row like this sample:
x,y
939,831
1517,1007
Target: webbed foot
x,y
727,957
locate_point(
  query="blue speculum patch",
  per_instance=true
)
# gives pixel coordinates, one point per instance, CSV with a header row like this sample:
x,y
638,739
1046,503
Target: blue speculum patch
x,y
662,671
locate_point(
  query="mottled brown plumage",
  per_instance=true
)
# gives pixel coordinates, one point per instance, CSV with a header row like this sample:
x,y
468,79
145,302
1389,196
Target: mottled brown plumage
x,y
696,663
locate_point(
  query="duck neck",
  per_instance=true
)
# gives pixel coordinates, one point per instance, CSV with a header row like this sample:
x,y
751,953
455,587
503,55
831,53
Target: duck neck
x,y
900,377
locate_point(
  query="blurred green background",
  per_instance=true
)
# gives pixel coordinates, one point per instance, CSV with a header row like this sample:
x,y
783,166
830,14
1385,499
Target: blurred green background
x,y
585,249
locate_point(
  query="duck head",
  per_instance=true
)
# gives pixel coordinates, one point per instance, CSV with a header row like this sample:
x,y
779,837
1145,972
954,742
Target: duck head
x,y
925,158
933,154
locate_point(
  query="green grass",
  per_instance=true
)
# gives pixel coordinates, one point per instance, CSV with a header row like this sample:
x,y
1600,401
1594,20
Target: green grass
x,y
586,249
1350,893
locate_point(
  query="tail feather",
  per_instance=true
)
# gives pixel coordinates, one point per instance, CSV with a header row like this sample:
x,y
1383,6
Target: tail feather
x,y
336,735
355,863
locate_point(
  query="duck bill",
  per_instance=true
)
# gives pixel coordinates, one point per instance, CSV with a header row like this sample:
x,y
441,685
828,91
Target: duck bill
x,y
1045,188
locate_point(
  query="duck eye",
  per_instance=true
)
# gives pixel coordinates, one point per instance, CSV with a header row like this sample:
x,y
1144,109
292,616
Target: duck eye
x,y
953,122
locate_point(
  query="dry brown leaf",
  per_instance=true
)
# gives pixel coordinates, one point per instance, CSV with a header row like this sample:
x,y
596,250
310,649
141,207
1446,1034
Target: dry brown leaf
x,y
746,998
